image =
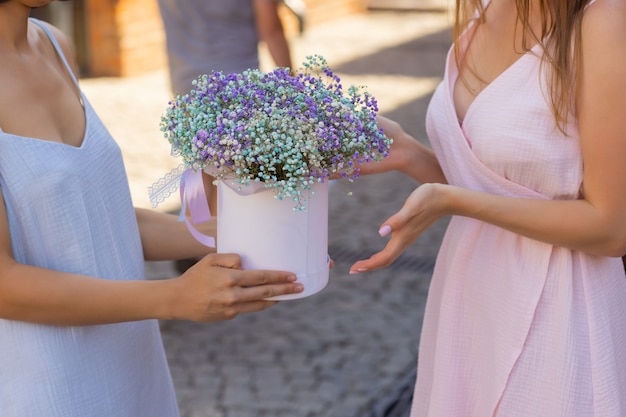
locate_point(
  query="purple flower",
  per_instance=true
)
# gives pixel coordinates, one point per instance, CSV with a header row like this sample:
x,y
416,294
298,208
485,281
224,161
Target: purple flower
x,y
284,130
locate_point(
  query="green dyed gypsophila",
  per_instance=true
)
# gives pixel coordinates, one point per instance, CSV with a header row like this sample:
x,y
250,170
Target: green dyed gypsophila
x,y
287,131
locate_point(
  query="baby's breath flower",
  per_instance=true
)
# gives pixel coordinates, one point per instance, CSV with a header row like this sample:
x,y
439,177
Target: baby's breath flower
x,y
288,131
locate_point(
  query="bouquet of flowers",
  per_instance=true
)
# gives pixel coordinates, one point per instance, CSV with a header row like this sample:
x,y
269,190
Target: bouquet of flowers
x,y
286,131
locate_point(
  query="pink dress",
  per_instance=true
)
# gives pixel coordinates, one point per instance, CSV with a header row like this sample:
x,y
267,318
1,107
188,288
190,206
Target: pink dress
x,y
515,327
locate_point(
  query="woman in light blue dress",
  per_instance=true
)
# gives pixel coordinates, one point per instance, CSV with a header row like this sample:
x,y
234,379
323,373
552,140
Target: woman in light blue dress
x,y
78,322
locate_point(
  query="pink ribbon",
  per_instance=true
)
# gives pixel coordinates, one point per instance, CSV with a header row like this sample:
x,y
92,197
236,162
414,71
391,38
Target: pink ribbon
x,y
192,195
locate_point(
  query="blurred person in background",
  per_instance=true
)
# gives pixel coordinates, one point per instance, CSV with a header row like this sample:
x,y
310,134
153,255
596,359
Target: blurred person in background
x,y
203,36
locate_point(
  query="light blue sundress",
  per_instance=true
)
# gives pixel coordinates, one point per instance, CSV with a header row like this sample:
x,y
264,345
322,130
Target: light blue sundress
x,y
69,209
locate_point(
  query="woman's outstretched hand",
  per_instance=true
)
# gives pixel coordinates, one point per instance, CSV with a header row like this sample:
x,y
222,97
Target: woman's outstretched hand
x,y
423,207
407,155
216,288
400,149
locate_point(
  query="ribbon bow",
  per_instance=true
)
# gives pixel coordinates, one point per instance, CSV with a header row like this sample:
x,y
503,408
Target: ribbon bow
x,y
192,196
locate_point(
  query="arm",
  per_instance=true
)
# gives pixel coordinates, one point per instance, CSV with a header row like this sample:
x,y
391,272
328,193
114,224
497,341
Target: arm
x,y
163,237
595,224
407,155
270,29
213,289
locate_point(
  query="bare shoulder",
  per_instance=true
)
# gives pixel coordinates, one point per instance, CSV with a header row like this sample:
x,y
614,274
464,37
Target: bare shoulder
x,y
602,79
65,44
603,35
604,22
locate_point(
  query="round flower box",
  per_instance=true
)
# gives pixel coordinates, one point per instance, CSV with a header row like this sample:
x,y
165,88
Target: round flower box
x,y
269,234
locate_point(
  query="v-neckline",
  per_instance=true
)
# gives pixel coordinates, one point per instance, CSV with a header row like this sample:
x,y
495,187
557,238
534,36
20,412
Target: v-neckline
x,y
477,98
484,92
84,138
81,97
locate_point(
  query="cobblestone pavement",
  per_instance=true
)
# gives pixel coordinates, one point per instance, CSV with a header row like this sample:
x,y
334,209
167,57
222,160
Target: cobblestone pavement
x,y
349,351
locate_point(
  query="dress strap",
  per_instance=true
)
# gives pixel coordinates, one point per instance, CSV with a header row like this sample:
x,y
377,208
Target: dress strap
x,y
56,45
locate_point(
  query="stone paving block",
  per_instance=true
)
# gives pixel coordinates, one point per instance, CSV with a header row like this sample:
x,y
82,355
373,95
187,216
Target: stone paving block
x,y
200,406
301,381
209,384
234,394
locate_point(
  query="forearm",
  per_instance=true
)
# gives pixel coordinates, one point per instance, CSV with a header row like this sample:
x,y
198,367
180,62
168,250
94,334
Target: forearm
x,y
422,165
279,49
409,157
45,296
163,237
271,32
575,224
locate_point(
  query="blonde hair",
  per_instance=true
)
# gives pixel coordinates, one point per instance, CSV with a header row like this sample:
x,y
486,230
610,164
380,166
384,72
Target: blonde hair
x,y
559,36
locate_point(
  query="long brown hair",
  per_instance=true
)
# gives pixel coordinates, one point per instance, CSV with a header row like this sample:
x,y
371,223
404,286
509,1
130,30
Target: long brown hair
x,y
560,36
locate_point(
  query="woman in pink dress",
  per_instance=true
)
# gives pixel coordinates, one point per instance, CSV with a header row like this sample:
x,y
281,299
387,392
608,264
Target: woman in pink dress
x,y
526,314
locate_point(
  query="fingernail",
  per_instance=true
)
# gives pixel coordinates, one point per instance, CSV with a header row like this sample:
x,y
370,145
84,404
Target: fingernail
x,y
357,271
292,278
353,272
298,287
385,230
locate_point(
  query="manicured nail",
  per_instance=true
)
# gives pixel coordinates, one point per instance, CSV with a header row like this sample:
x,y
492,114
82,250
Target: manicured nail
x,y
292,278
298,287
357,271
385,230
